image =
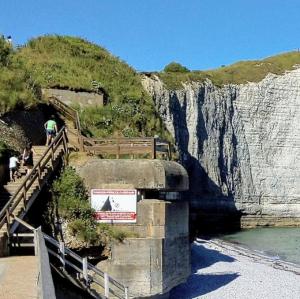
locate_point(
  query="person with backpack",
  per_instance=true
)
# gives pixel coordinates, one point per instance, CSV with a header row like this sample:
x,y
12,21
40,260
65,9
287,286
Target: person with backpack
x,y
51,129
28,157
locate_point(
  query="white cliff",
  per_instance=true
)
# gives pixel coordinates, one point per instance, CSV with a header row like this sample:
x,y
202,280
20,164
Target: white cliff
x,y
240,143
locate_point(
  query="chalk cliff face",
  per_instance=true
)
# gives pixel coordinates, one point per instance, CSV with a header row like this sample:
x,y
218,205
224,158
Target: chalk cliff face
x,y
239,143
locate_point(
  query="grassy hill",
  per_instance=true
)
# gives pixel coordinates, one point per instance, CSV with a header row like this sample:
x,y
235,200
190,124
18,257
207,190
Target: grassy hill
x,y
76,64
16,86
237,73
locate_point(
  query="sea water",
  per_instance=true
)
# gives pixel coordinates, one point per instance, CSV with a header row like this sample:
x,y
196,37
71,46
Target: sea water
x,y
279,243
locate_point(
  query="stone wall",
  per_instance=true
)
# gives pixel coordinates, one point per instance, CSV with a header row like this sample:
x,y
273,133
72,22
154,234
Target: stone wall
x,y
239,143
71,98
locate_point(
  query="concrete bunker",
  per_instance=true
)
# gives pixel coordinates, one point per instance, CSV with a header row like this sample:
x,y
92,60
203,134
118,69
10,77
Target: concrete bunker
x,y
159,258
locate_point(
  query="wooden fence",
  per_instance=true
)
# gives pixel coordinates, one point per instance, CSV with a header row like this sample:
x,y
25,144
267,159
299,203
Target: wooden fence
x,y
133,147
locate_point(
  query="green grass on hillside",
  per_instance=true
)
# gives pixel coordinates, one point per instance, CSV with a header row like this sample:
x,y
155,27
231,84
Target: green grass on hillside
x,y
238,73
76,64
16,87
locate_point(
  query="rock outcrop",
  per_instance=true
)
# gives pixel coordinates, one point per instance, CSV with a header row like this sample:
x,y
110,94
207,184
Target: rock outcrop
x,y
239,143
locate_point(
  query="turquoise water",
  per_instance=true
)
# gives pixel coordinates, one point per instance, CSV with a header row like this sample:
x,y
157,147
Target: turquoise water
x,y
282,243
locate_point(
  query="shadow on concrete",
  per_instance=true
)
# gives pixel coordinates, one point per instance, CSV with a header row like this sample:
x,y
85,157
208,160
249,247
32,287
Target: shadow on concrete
x,y
199,284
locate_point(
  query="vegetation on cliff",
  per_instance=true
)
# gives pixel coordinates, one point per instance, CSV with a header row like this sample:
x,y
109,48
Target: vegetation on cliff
x,y
16,86
175,67
70,201
237,73
76,64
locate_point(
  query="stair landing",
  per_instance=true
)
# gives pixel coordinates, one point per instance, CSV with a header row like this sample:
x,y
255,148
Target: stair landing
x,y
18,277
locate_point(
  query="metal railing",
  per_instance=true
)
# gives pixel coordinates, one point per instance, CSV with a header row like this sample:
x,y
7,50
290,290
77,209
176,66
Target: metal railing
x,y
87,276
45,285
36,175
86,273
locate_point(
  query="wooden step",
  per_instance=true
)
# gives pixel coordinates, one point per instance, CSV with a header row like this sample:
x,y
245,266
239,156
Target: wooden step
x,y
9,189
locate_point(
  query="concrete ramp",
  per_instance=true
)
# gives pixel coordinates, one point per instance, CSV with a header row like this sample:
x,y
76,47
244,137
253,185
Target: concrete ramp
x,y
18,277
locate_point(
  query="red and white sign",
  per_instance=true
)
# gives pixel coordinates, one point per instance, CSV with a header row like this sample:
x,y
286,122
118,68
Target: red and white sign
x,y
114,205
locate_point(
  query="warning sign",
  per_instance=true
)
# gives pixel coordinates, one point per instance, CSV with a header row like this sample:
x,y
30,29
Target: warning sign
x,y
114,205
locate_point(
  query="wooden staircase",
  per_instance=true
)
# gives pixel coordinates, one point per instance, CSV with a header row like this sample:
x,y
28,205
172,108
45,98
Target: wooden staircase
x,y
72,123
17,197
10,188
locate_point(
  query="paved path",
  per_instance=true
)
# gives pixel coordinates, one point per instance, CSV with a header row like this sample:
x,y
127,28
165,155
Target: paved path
x,y
221,271
18,277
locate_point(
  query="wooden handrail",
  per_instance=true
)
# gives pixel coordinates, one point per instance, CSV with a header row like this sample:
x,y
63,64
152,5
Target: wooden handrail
x,y
35,173
116,146
72,114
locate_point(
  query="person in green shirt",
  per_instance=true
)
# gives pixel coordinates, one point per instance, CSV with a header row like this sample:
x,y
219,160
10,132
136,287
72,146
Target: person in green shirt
x,y
51,129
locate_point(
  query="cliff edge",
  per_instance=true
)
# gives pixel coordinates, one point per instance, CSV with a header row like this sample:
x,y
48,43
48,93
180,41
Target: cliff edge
x,y
240,143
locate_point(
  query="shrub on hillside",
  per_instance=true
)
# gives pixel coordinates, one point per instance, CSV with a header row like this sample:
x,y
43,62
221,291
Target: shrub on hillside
x,y
17,88
76,64
237,73
71,200
5,51
175,67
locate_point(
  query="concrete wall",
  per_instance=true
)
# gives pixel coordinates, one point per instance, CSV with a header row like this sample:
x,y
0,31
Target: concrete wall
x,y
83,99
159,259
140,174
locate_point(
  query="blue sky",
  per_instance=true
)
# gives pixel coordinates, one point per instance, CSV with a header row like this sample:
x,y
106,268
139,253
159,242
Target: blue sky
x,y
148,34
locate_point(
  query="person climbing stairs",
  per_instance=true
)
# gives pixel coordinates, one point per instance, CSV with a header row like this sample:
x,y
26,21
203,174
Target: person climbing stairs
x,y
17,196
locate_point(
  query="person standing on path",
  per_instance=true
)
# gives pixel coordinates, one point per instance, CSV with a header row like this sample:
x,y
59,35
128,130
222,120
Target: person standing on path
x,y
28,157
51,129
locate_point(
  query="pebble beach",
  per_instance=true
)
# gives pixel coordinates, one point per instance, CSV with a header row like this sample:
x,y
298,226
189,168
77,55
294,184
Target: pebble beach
x,y
223,270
